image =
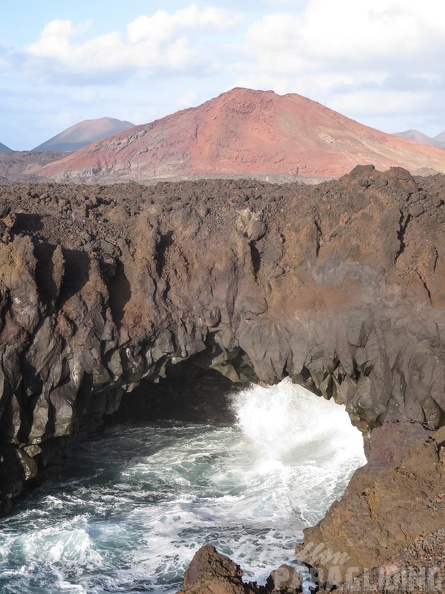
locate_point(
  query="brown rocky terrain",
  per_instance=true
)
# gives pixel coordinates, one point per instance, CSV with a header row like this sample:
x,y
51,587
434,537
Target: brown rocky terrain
x,y
214,573
82,134
406,466
105,290
245,131
24,165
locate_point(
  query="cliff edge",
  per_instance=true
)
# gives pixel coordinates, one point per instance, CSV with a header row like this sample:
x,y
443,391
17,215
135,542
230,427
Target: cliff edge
x,y
339,286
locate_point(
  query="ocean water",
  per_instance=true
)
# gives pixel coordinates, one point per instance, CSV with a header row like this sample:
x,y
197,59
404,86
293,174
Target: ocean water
x,y
132,507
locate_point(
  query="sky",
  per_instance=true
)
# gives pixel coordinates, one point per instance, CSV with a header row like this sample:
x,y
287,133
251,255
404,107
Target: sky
x,y
380,62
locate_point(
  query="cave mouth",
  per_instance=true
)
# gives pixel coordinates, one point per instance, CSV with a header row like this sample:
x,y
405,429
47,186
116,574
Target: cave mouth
x,y
135,503
188,394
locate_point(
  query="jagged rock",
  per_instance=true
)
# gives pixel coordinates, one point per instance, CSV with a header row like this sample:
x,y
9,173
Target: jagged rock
x,y
338,286
284,580
389,503
211,572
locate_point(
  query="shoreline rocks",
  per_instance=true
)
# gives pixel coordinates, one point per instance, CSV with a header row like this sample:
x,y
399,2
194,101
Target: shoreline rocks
x,y
211,572
340,286
389,504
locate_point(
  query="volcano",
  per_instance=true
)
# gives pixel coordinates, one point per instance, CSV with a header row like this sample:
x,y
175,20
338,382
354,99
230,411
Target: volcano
x,y
249,132
82,134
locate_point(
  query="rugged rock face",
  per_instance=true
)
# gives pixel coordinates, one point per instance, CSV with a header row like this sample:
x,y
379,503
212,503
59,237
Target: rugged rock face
x,y
390,503
213,573
245,131
210,572
340,286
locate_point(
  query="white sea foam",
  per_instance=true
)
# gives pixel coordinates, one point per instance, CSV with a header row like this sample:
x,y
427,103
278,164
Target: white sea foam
x,y
132,508
286,422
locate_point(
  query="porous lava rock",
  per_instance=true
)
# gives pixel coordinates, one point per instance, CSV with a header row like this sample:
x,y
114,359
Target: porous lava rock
x,y
341,286
390,503
211,572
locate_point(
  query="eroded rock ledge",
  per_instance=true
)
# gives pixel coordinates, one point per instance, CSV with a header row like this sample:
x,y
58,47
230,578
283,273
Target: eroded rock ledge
x,y
340,286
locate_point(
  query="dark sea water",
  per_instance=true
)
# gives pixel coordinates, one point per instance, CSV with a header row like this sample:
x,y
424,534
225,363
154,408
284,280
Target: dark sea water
x,y
132,507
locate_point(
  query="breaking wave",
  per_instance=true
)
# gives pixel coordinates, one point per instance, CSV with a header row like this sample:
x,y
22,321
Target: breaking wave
x,y
132,507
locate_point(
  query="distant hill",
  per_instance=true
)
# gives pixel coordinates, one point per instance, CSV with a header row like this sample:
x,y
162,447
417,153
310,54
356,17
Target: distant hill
x,y
4,149
418,137
82,134
245,132
440,139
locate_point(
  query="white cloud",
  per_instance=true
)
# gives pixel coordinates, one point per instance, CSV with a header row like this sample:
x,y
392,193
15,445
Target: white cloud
x,y
356,30
187,99
349,30
293,3
357,56
56,37
161,41
433,77
162,25
380,102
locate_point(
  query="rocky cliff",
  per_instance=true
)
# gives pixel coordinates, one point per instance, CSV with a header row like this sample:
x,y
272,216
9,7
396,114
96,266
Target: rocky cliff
x,y
340,286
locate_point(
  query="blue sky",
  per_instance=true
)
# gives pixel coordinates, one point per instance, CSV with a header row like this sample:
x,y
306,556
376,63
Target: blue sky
x,y
380,62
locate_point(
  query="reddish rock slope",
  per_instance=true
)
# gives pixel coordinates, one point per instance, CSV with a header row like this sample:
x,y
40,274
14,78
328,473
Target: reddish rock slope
x,y
245,131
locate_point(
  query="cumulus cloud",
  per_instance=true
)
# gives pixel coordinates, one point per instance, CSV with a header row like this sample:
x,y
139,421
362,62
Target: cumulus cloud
x,y
162,41
380,28
358,56
163,26
352,31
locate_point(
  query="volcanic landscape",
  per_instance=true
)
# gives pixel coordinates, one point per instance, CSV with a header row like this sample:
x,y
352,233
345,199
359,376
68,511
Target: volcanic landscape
x,y
119,301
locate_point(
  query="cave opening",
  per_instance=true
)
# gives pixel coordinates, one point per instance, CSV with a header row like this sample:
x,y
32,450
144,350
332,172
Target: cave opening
x,y
192,459
189,392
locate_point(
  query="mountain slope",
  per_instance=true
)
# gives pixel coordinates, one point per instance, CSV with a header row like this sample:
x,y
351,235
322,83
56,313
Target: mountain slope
x,y
245,132
418,137
440,139
24,165
82,134
4,148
